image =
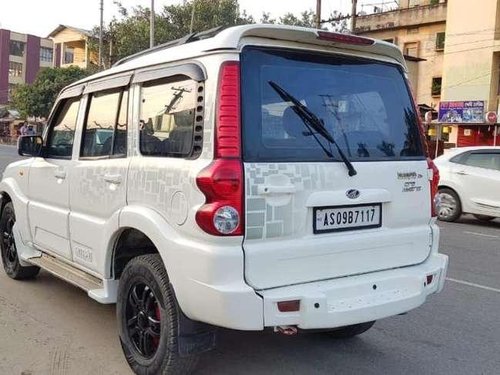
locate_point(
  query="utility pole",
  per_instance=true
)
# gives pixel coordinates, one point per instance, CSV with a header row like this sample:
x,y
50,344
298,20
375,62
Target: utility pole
x,y
353,15
318,14
192,17
100,33
152,25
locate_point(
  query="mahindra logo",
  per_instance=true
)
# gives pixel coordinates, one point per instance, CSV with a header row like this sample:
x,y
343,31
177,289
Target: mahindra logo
x,y
352,193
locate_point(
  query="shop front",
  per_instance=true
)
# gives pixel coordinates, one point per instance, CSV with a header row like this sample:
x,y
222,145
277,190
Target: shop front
x,y
463,124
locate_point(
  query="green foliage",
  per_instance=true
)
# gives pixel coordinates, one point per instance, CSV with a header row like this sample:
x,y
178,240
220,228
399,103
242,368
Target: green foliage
x,y
129,33
307,19
38,98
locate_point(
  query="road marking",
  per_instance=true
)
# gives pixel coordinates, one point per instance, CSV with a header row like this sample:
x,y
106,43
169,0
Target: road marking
x,y
474,285
481,234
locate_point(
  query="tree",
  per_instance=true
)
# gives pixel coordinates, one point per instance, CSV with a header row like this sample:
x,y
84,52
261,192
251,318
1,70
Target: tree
x,y
338,22
307,19
129,33
38,98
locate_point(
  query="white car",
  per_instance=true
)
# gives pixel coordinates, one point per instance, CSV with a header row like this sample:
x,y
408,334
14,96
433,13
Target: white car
x,y
267,176
469,183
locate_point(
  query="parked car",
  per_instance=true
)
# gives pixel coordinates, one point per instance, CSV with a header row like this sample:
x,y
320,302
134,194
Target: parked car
x,y
271,176
470,183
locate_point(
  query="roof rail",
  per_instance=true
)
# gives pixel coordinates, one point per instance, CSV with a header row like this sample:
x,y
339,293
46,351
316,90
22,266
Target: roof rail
x,y
193,37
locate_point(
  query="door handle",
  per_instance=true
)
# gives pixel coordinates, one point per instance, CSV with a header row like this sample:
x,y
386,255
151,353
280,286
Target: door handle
x,y
113,178
60,174
462,173
275,190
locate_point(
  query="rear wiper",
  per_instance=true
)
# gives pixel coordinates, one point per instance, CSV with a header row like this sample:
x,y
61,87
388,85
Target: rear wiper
x,y
310,120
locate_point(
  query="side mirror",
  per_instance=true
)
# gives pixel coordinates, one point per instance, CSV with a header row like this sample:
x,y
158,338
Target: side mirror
x,y
29,145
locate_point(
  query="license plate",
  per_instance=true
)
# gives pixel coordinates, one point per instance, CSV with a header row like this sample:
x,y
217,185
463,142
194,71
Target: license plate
x,y
341,218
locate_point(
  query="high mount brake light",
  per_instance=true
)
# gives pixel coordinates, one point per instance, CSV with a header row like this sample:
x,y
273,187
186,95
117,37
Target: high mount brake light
x,y
222,181
345,38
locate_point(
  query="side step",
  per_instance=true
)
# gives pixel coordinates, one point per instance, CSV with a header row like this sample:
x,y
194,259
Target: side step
x,y
68,273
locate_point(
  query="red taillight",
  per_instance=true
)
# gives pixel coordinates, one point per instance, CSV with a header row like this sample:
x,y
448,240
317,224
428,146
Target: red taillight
x,y
222,181
227,127
289,306
434,185
345,38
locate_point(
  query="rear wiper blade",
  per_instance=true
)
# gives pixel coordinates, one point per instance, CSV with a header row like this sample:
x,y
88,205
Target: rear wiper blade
x,y
310,120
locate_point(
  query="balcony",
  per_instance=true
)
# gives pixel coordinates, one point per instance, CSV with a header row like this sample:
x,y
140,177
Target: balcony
x,y
399,18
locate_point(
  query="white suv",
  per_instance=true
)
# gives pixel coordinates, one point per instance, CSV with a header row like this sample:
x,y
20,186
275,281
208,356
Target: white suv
x,y
268,176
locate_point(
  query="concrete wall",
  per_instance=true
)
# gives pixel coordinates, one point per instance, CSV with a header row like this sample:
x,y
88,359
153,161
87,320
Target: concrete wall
x,y
470,69
4,65
415,16
433,64
32,58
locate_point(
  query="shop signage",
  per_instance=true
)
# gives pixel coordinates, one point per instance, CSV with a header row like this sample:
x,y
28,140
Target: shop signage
x,y
491,117
464,112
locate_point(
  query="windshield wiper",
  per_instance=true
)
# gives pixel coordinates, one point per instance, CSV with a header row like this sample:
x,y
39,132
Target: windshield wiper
x,y
310,120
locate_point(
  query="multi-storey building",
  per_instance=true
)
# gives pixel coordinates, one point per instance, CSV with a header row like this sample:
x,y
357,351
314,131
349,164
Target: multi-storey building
x,y
21,57
71,46
457,45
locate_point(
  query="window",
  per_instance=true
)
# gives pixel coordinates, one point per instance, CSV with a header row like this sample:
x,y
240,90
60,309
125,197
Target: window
x,y
105,125
46,54
483,160
15,69
12,88
436,86
411,49
69,55
62,131
17,48
365,105
167,117
440,38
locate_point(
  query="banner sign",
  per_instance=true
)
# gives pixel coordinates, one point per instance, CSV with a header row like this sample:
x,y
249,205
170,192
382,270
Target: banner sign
x,y
466,112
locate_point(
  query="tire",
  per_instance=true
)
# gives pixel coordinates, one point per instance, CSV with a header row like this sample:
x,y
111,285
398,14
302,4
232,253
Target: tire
x,y
450,207
484,217
348,332
146,307
10,259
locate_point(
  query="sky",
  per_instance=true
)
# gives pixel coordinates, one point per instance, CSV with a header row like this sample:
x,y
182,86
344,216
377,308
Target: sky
x,y
40,17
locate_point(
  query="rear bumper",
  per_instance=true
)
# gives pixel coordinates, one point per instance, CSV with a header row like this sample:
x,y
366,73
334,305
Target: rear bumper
x,y
356,299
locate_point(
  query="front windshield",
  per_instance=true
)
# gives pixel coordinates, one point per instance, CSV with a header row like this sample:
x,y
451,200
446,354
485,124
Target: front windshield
x,y
364,104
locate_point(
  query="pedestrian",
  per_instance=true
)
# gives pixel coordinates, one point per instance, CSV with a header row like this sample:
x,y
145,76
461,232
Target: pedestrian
x,y
30,130
24,129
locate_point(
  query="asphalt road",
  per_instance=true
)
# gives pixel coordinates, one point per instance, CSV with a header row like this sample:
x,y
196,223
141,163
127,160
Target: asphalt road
x,y
50,327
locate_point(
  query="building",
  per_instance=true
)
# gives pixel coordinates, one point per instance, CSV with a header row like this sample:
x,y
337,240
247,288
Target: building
x,y
418,28
21,57
458,72
71,46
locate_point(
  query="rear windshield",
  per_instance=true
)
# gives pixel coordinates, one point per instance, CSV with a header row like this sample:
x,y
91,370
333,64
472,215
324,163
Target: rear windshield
x,y
364,104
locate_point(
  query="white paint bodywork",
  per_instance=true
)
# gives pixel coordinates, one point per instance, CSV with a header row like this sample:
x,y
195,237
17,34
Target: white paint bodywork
x,y
78,218
477,188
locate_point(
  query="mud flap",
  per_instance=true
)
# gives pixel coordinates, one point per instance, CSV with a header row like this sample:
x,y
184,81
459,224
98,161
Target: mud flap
x,y
194,337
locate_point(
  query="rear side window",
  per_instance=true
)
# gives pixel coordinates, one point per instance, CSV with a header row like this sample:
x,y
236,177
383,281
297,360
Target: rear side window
x,y
167,117
105,128
365,105
483,160
62,131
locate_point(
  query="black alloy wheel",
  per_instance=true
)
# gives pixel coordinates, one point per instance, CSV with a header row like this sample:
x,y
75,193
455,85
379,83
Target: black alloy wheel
x,y
148,319
10,258
143,319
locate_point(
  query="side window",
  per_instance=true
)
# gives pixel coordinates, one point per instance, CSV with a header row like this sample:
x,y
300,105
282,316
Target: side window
x,y
483,160
167,117
62,131
105,127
